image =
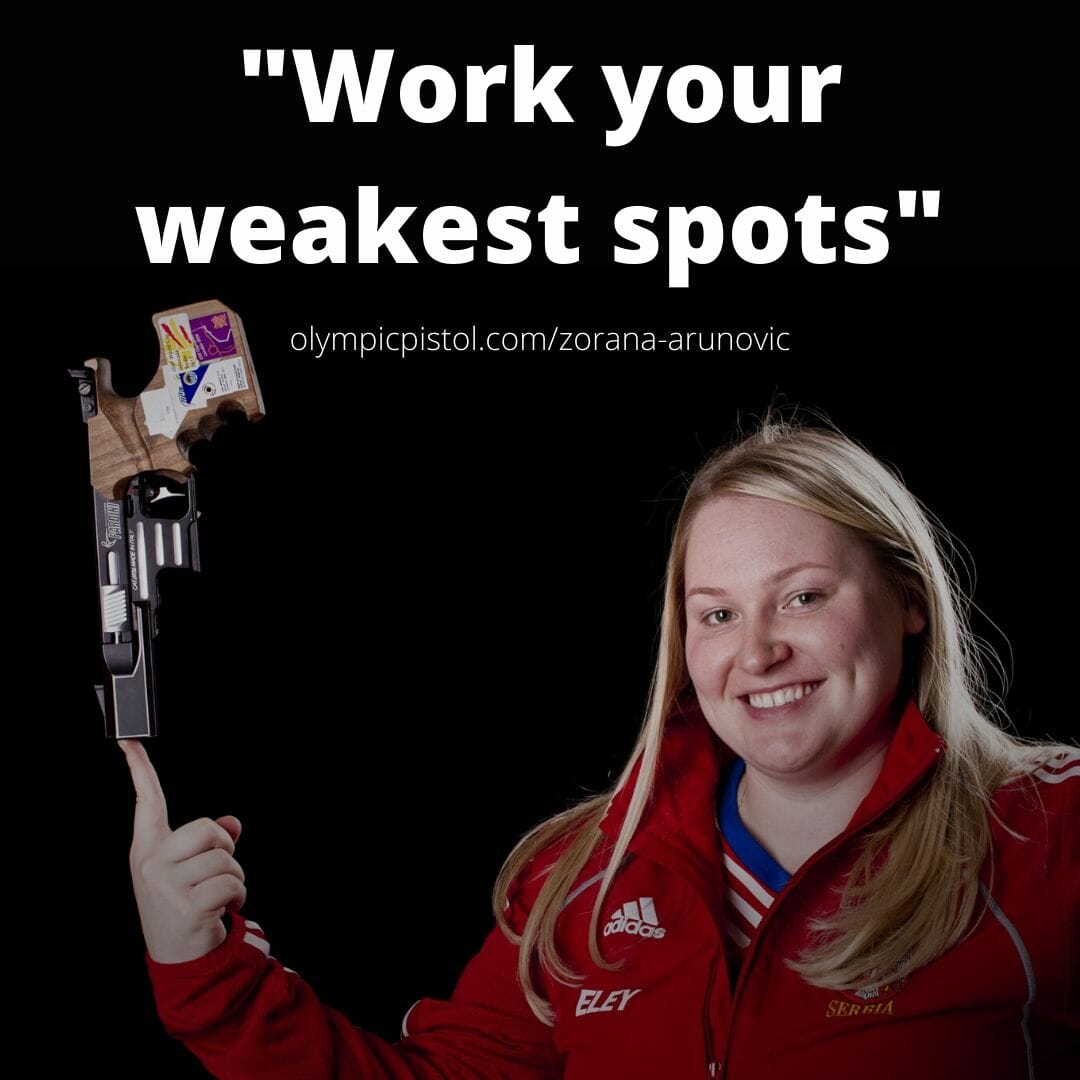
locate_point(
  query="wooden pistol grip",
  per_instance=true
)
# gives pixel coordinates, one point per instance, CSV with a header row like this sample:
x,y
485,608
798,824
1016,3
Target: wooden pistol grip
x,y
204,373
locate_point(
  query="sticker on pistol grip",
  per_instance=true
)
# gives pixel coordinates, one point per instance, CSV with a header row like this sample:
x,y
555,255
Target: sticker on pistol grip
x,y
204,364
210,381
177,342
220,368
213,337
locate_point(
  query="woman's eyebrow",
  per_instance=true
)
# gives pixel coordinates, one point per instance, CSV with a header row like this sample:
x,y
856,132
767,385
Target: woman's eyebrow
x,y
778,576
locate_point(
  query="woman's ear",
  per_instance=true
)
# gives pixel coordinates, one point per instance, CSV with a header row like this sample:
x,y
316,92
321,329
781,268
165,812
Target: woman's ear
x,y
914,619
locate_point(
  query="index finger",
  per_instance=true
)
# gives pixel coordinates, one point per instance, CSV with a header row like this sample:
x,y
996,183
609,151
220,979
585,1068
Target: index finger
x,y
151,814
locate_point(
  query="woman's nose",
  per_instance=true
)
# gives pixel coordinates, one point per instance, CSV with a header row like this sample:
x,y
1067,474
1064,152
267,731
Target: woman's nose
x,y
761,647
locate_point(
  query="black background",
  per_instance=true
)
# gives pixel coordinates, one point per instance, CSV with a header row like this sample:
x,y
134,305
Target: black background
x,y
431,584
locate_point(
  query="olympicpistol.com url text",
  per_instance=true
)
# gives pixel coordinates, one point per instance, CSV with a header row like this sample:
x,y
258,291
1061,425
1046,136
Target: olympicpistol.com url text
x,y
318,342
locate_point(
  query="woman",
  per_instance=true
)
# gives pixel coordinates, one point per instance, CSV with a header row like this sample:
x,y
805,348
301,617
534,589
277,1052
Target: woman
x,y
821,859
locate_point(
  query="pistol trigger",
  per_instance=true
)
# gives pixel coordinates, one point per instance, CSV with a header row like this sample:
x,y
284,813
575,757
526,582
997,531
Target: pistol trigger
x,y
100,691
165,493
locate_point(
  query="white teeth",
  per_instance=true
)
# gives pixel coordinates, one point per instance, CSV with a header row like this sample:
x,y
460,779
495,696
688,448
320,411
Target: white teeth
x,y
782,697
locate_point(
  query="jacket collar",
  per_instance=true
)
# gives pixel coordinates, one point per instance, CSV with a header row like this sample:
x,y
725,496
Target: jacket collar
x,y
678,826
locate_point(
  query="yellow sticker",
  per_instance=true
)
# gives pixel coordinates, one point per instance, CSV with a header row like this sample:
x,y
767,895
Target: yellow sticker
x,y
177,341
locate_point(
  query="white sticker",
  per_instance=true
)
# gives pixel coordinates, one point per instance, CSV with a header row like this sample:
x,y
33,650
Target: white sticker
x,y
219,377
161,410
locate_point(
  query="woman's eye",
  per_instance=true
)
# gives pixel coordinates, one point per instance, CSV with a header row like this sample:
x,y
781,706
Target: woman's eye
x,y
805,599
718,617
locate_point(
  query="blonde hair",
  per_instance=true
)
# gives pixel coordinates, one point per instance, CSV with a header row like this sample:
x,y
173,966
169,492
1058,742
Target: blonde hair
x,y
895,914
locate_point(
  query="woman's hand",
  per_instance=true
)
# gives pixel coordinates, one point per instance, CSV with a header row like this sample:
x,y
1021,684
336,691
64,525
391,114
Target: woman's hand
x,y
184,880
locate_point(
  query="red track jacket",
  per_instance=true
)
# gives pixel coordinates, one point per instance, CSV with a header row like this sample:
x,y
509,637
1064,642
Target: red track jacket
x,y
1002,1004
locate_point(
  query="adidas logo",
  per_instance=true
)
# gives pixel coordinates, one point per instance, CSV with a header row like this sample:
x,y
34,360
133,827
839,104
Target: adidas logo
x,y
636,917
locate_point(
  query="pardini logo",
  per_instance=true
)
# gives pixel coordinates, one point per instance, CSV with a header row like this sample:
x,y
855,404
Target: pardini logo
x,y
114,528
636,917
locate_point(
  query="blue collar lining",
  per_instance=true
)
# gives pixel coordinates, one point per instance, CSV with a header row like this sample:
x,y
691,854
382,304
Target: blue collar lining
x,y
751,854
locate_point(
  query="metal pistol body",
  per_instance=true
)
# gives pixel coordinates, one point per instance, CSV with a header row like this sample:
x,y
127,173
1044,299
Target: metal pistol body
x,y
145,504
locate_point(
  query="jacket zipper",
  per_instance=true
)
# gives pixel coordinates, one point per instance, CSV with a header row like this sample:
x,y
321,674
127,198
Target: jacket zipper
x,y
658,857
709,1060
769,916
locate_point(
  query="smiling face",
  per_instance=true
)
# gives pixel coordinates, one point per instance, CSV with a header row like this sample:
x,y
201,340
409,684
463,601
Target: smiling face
x,y
794,639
